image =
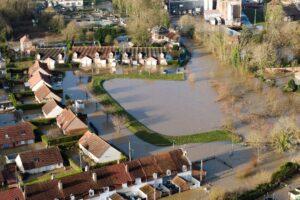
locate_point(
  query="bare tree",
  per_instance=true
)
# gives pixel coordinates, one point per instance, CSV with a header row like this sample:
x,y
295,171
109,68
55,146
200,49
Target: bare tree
x,y
119,121
256,140
108,109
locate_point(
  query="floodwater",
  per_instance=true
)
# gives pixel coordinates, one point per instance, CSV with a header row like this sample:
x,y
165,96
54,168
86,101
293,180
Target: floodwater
x,y
173,107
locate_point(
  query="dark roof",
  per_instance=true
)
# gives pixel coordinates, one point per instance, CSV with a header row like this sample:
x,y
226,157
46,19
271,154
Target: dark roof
x,y
292,11
40,158
16,133
50,53
112,176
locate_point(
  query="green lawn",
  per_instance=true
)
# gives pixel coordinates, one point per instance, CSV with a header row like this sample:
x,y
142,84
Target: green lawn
x,y
148,135
59,173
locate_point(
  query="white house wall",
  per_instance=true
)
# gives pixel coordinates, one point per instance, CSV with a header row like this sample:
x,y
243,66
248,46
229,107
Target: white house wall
x,y
54,113
111,154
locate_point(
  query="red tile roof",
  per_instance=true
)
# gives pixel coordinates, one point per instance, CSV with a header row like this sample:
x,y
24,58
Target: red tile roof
x,y
94,144
36,78
38,67
40,158
16,133
112,176
49,106
70,123
12,194
42,93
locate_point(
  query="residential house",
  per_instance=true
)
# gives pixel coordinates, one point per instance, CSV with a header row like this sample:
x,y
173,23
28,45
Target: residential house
x,y
8,177
228,10
38,161
44,94
181,7
151,192
88,55
70,123
163,35
12,194
182,184
123,178
51,109
151,63
69,3
294,194
39,67
16,135
97,149
38,80
26,45
51,56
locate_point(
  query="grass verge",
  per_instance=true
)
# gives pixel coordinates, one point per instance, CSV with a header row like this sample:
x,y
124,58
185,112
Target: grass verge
x,y
148,135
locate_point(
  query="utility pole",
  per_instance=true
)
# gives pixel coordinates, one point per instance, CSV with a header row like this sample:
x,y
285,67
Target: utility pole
x,y
255,16
129,150
201,170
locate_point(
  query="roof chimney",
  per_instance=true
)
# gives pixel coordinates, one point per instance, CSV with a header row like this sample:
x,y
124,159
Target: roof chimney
x,y
52,176
94,176
86,168
126,168
60,185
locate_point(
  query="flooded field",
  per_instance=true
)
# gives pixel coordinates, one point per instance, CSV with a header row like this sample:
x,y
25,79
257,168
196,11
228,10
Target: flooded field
x,y
173,107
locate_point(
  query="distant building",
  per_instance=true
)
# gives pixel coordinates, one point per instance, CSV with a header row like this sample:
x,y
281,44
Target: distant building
x,y
69,3
26,45
16,135
51,56
38,161
98,149
228,11
180,7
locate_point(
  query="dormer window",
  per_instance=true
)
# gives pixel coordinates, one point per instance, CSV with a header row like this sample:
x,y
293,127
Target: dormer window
x,y
91,193
168,172
97,55
72,197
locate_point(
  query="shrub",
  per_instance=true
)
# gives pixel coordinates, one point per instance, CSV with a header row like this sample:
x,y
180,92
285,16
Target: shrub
x,y
285,172
60,140
43,122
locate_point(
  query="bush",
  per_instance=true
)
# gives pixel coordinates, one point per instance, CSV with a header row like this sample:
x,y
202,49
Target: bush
x,y
43,122
60,140
286,171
